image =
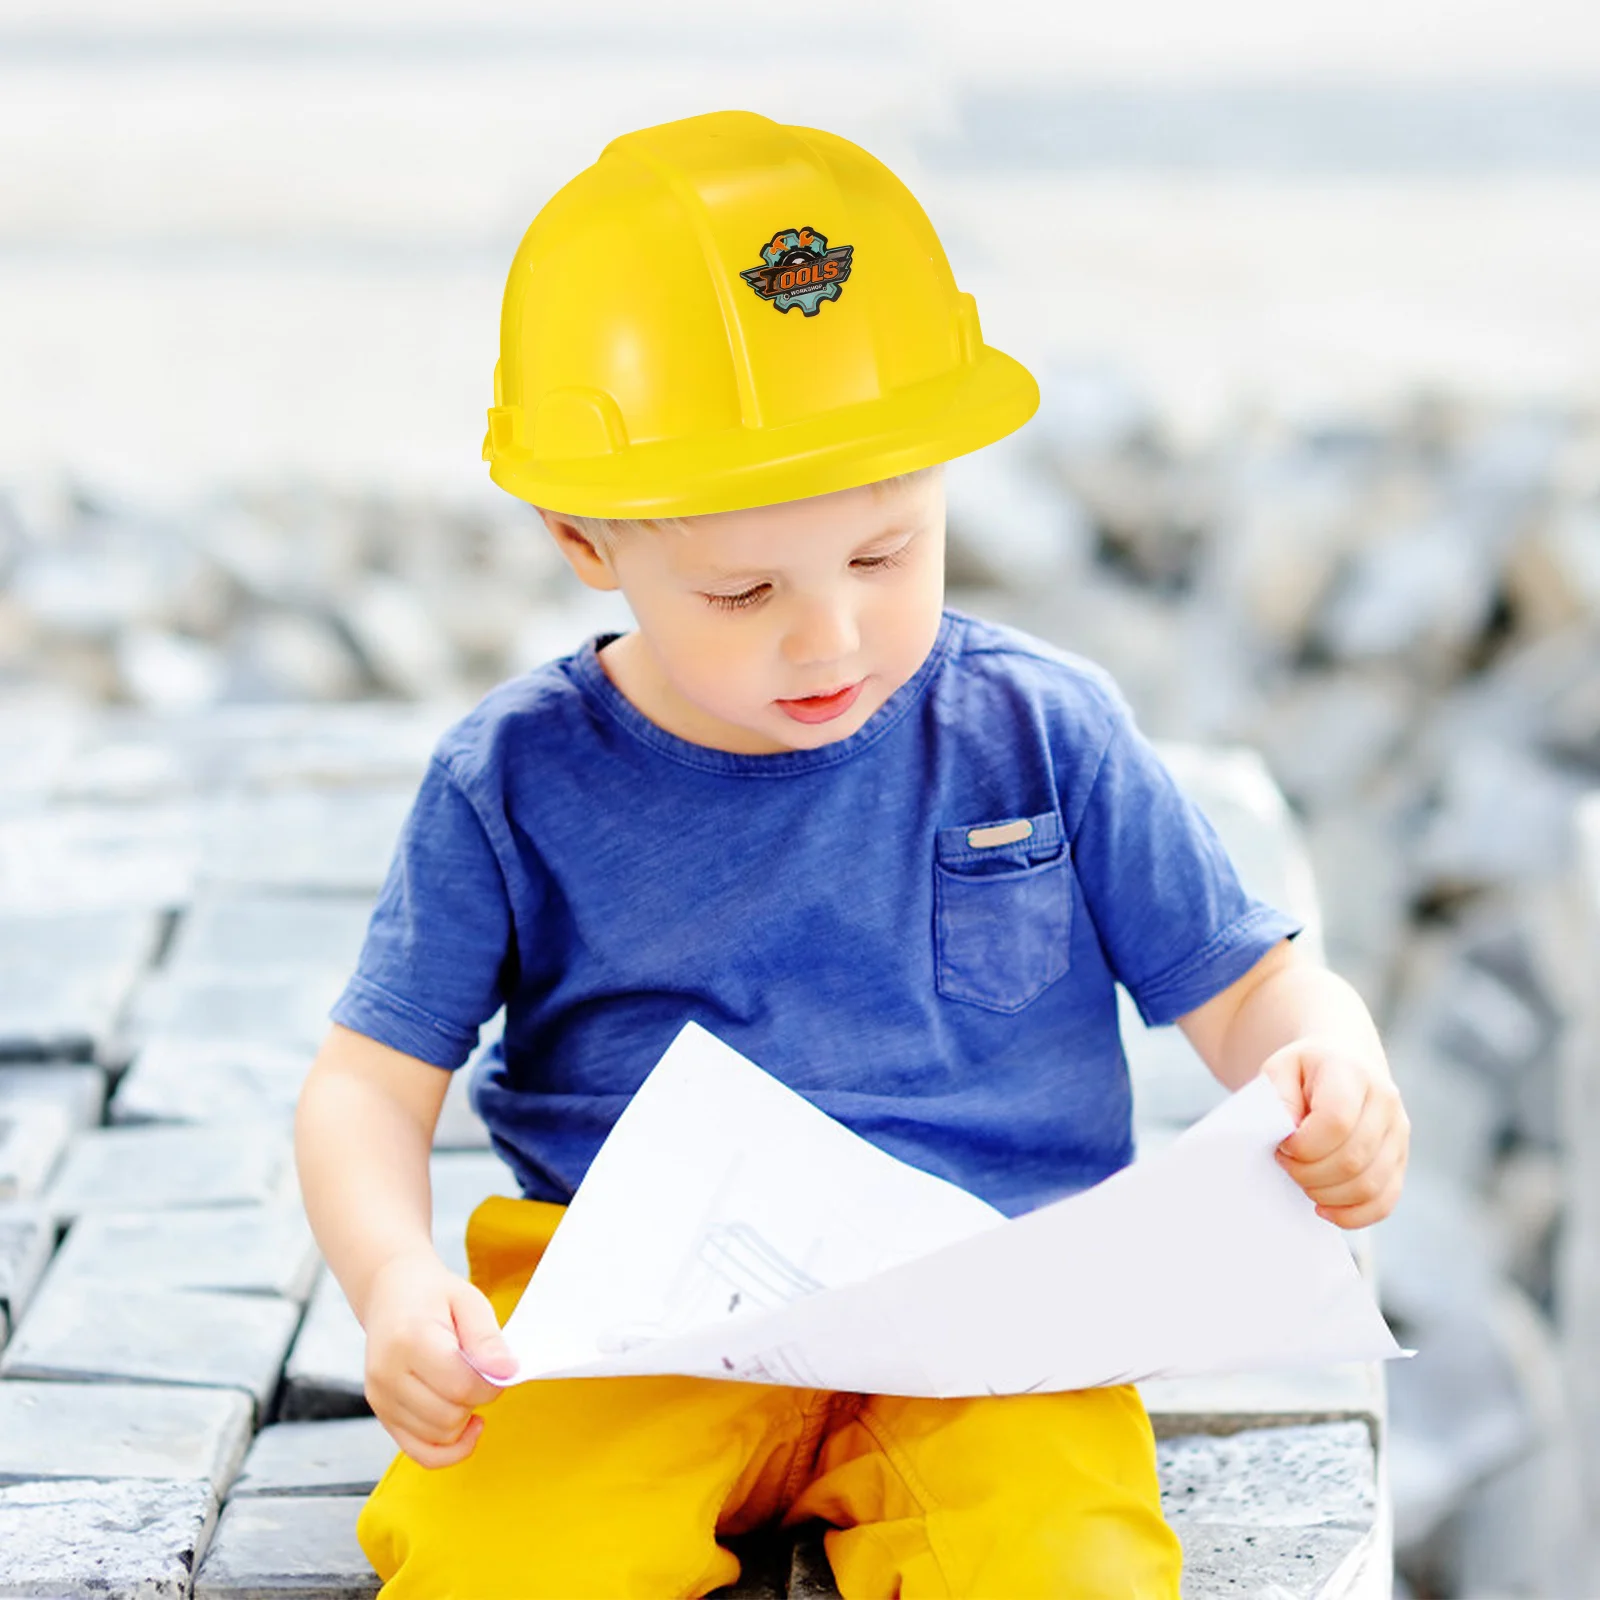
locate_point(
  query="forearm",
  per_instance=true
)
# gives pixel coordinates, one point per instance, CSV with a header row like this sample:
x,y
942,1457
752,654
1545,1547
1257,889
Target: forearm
x,y
368,1198
1293,1000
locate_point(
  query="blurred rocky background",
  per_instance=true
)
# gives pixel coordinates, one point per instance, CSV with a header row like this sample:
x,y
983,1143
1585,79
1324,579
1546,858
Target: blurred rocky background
x,y
1314,296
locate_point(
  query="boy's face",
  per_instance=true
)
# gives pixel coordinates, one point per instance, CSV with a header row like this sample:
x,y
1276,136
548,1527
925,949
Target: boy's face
x,y
780,628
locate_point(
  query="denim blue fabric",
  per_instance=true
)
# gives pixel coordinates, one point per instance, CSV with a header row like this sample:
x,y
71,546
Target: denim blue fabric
x,y
840,915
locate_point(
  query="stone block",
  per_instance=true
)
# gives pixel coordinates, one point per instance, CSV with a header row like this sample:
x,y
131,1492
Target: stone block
x,y
65,978
145,1169
33,1137
268,1546
27,1237
94,858
810,1575
121,1430
211,1080
323,840
287,1010
459,1126
369,744
1172,1086
1234,789
246,1249
176,1336
1578,1283
1235,1402
324,1376
79,1088
267,936
1286,1512
341,1457
1501,817
133,756
460,1179
137,1539
35,748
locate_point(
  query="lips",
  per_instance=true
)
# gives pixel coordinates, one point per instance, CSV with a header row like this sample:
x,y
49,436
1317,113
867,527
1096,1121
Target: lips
x,y
822,707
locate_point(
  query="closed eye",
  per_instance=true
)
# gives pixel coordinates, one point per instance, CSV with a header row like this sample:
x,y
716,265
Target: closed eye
x,y
738,602
895,558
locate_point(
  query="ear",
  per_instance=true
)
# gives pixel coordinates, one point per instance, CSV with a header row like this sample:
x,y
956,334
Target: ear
x,y
592,564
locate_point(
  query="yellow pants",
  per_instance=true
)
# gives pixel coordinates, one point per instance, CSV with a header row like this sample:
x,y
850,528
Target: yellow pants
x,y
620,1487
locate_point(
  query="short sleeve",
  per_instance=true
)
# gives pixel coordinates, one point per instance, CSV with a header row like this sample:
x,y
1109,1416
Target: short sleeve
x,y
434,964
1175,923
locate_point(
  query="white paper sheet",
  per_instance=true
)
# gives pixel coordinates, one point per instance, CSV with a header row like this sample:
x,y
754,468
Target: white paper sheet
x,y
729,1229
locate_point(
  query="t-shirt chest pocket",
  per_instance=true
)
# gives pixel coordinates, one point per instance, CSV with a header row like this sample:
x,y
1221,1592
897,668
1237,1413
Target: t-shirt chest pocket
x,y
1002,910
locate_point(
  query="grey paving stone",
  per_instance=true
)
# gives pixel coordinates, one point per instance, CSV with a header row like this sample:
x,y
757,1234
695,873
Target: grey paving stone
x,y
1275,1511
459,1126
211,1080
365,744
288,1010
145,1169
1234,1402
136,1539
176,1336
33,1138
129,756
1235,789
324,1376
344,1456
93,857
247,1249
27,1238
460,1179
35,747
78,1087
266,1547
810,1576
65,978
265,936
121,1430
325,839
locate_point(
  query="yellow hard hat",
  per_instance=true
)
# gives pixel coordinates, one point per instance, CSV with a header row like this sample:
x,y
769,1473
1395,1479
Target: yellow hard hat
x,y
727,312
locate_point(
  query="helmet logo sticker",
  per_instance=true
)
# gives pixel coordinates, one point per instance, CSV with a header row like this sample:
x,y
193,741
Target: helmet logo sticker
x,y
801,269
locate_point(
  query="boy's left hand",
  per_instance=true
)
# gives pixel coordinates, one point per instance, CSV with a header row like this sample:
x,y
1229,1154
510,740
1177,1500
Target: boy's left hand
x,y
1349,1150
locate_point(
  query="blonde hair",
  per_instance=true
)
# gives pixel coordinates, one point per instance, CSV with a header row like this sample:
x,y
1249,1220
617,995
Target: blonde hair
x,y
604,533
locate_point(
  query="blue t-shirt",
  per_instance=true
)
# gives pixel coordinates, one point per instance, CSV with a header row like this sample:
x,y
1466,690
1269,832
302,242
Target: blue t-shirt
x,y
919,927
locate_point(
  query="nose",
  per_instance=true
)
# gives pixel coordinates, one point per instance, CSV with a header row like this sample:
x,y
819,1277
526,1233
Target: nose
x,y
822,629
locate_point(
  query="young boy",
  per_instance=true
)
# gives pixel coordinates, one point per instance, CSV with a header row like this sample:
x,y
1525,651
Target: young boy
x,y
896,856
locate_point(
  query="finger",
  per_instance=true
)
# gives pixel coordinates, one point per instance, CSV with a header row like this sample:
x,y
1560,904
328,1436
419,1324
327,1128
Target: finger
x,y
1337,1097
437,1360
427,1413
478,1333
457,1382
1283,1072
1363,1216
1349,1160
434,1456
1377,1178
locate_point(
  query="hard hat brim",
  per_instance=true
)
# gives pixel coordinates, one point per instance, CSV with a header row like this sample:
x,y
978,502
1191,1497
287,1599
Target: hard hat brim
x,y
738,468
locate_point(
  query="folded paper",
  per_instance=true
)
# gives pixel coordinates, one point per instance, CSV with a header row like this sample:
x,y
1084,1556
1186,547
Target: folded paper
x,y
729,1229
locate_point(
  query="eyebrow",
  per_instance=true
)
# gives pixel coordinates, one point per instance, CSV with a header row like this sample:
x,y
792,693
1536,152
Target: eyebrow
x,y
748,574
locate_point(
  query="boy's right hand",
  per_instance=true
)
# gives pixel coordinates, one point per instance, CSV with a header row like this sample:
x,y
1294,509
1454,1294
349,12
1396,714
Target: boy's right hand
x,y
422,1321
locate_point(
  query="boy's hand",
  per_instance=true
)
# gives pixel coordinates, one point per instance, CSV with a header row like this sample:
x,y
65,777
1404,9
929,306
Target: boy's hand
x,y
1349,1151
421,1322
